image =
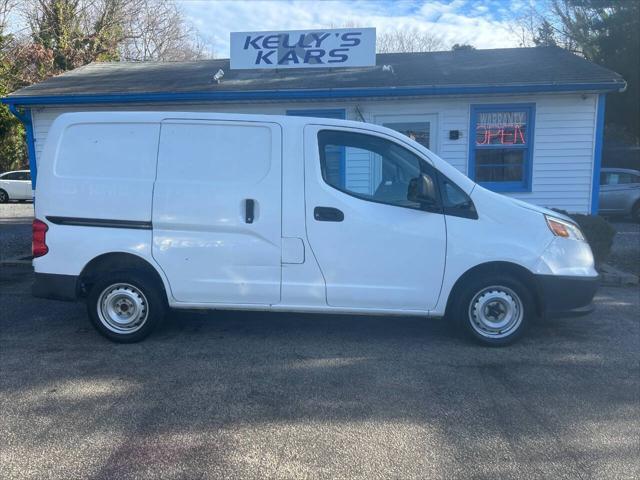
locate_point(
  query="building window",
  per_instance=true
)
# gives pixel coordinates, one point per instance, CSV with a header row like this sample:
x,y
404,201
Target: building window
x,y
501,146
420,128
420,132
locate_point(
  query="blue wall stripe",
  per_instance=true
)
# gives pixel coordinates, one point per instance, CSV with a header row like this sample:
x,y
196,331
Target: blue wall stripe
x,y
597,154
306,94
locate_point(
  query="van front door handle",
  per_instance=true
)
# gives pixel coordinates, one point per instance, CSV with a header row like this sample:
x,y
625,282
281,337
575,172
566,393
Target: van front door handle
x,y
328,214
249,208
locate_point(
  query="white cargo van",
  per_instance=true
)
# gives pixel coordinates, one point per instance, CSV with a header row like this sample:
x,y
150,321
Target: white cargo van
x,y
137,212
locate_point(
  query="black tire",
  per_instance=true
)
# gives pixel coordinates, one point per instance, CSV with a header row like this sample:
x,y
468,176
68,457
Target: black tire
x,y
117,290
4,196
500,291
635,212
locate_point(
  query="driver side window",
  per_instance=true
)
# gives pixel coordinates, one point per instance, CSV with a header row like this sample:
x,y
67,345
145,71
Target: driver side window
x,y
375,169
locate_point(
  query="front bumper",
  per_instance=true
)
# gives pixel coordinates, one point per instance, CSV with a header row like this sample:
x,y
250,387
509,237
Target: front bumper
x,y
55,286
566,296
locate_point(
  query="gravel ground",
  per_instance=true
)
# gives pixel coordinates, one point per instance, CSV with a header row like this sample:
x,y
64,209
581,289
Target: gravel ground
x,y
15,210
15,230
625,253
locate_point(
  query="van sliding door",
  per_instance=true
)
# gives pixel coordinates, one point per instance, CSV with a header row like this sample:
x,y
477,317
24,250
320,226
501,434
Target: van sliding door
x,y
216,211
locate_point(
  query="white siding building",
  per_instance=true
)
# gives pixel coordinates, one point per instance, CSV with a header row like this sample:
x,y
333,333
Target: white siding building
x,y
524,122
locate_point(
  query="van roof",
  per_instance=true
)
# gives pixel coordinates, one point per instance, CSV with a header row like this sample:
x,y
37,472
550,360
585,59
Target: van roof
x,y
159,116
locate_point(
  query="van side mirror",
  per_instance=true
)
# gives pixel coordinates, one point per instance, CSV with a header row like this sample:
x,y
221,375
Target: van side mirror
x,y
422,190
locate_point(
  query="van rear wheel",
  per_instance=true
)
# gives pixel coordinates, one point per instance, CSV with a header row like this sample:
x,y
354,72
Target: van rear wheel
x,y
125,306
494,310
635,212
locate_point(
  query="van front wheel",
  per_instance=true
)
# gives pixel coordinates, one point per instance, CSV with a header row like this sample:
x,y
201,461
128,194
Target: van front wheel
x,y
494,310
125,306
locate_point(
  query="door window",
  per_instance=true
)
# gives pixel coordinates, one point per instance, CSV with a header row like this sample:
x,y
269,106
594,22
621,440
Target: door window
x,y
378,170
335,168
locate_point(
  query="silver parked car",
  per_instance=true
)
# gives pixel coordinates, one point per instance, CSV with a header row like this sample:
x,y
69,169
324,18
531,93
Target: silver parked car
x,y
620,192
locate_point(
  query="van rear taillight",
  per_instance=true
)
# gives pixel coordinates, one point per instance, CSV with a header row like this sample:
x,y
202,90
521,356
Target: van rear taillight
x,y
39,243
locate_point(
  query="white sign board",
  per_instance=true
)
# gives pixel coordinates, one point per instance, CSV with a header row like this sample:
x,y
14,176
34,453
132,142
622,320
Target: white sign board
x,y
343,47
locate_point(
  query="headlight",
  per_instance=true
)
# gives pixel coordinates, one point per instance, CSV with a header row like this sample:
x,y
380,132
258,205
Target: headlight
x,y
562,228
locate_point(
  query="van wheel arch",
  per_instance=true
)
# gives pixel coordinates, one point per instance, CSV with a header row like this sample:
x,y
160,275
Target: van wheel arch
x,y
518,271
117,262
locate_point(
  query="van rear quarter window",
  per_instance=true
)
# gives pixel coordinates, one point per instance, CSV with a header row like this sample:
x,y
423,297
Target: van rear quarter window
x,y
108,150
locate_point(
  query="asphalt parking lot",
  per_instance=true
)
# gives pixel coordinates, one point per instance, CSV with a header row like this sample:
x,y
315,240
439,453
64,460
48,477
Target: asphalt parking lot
x,y
257,395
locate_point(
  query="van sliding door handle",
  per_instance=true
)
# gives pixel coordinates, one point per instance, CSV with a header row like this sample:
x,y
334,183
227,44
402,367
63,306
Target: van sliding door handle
x,y
249,207
328,214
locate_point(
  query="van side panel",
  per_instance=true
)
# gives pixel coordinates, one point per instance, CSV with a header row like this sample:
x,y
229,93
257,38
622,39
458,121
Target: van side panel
x,y
211,176
101,170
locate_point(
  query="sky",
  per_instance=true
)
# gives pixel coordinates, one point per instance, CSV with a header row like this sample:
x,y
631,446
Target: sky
x,y
481,23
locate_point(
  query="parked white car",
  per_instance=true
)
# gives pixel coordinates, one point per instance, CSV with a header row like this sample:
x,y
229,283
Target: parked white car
x,y
137,212
15,185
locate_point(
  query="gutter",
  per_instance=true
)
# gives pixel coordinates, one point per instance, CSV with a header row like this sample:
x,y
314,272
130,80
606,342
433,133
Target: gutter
x,y
25,119
304,94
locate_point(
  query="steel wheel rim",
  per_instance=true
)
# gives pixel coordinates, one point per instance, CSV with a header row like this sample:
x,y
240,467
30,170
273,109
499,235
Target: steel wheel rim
x,y
496,312
123,308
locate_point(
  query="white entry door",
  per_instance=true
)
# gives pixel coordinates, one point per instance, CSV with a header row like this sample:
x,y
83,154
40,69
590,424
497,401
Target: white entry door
x,y
217,211
423,128
375,246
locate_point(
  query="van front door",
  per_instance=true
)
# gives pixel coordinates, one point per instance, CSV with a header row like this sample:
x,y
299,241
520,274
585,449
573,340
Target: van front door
x,y
217,211
377,246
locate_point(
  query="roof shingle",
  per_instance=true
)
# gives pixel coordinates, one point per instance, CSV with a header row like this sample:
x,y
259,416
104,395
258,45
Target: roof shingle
x,y
496,67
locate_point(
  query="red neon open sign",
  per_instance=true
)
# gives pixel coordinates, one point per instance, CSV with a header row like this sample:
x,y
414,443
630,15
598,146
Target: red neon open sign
x,y
501,128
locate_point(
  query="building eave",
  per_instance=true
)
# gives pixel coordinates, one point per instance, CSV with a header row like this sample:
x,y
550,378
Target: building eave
x,y
304,94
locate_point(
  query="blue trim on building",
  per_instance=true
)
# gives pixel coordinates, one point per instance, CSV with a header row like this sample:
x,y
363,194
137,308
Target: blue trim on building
x,y
337,113
25,118
597,154
297,94
527,184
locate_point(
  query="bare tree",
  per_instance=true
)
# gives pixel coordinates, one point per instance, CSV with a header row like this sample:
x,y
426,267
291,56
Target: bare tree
x,y
78,31
6,7
410,40
558,22
82,31
160,32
